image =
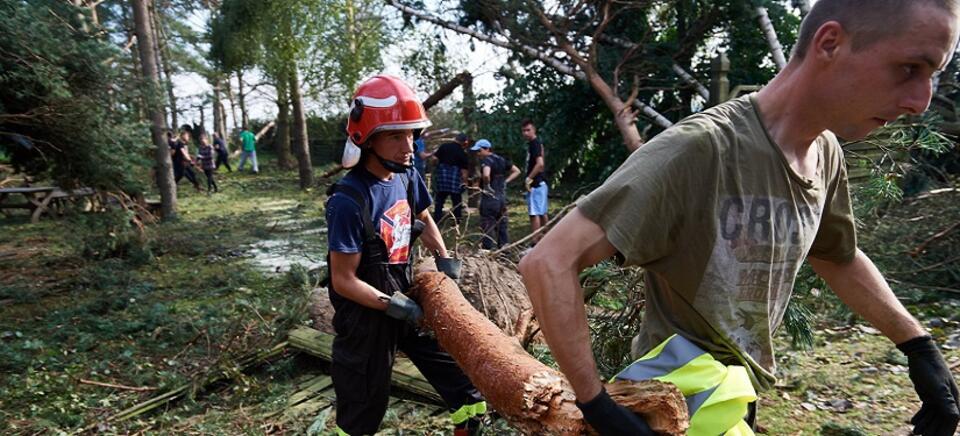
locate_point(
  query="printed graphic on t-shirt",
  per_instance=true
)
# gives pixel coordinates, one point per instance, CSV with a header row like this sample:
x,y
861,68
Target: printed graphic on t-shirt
x,y
395,231
759,247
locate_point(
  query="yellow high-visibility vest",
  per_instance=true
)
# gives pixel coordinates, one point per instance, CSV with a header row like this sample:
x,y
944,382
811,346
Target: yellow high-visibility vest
x,y
717,395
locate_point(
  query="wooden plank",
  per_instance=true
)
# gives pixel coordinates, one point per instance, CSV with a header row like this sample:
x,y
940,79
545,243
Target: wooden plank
x,y
312,388
405,376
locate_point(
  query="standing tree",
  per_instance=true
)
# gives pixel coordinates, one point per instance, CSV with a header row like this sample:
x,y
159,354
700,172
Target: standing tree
x,y
165,182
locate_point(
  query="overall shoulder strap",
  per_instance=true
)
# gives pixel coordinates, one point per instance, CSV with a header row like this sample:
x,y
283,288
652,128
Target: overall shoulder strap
x,y
364,207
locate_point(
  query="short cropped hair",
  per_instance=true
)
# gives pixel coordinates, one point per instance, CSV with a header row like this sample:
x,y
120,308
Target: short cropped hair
x,y
527,122
867,21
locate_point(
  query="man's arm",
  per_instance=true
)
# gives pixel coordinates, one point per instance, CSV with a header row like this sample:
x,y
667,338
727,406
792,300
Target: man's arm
x,y
514,173
486,175
553,283
343,276
537,167
860,286
431,235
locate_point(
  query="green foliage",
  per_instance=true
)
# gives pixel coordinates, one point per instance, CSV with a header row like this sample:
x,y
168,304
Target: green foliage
x,y
107,235
430,66
286,36
900,159
62,115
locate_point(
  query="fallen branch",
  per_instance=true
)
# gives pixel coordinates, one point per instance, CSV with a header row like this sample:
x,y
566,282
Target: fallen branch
x,y
550,223
222,373
534,398
114,386
923,245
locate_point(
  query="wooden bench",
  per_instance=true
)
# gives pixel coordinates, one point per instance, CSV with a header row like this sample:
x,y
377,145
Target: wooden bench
x,y
38,200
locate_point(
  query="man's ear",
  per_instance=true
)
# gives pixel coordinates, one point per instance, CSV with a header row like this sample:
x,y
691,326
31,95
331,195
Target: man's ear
x,y
827,41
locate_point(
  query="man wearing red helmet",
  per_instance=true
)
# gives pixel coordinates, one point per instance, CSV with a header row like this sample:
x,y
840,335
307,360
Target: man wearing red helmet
x,y
374,214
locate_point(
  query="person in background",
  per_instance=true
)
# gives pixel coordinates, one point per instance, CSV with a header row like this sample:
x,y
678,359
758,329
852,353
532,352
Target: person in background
x,y
536,181
450,176
420,155
223,156
496,172
182,163
205,154
249,144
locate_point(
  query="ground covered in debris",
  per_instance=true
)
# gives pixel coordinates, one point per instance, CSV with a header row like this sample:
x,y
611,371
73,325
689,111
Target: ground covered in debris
x,y
96,318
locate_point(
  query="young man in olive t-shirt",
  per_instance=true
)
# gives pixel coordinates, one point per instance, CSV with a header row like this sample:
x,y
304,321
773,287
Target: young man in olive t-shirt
x,y
722,209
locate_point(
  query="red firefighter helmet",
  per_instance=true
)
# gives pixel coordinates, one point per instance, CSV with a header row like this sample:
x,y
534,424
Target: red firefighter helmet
x,y
384,103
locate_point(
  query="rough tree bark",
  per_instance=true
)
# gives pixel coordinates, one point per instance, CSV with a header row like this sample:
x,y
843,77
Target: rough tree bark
x,y
301,145
284,159
168,189
241,98
531,396
163,54
233,105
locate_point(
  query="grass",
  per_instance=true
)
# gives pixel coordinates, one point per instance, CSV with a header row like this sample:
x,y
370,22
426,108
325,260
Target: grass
x,y
195,296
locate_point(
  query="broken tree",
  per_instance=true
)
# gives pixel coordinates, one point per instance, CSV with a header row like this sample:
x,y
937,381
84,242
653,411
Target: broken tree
x,y
531,396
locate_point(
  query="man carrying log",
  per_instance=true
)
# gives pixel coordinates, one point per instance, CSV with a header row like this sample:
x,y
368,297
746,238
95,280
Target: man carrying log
x,y
374,214
722,209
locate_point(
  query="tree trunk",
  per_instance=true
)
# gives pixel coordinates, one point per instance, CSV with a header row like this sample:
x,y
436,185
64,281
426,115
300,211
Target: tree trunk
x,y
530,395
300,145
165,182
154,42
233,105
284,159
217,108
771,35
135,61
242,99
167,68
222,128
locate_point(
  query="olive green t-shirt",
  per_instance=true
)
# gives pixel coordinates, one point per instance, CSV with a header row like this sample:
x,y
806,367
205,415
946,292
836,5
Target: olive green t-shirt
x,y
712,211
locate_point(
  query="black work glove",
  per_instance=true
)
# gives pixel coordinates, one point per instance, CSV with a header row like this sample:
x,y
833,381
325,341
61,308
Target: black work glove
x,y
936,387
401,307
611,419
450,267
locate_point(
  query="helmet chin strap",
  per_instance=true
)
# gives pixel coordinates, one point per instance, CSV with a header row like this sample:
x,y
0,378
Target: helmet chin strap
x,y
392,166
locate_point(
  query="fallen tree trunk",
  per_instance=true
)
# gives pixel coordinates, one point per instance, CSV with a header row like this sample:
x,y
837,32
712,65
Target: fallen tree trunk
x,y
531,396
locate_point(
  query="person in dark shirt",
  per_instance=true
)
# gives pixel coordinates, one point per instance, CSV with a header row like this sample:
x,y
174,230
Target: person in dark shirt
x,y
223,156
180,156
496,172
205,154
536,181
374,216
450,175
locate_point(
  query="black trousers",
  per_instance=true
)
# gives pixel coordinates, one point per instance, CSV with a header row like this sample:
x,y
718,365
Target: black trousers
x,y
364,351
493,222
455,198
179,171
211,182
222,160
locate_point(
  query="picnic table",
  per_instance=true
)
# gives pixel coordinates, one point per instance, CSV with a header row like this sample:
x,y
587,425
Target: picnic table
x,y
38,200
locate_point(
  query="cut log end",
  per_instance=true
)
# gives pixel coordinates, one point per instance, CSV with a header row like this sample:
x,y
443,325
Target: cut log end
x,y
534,398
661,404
